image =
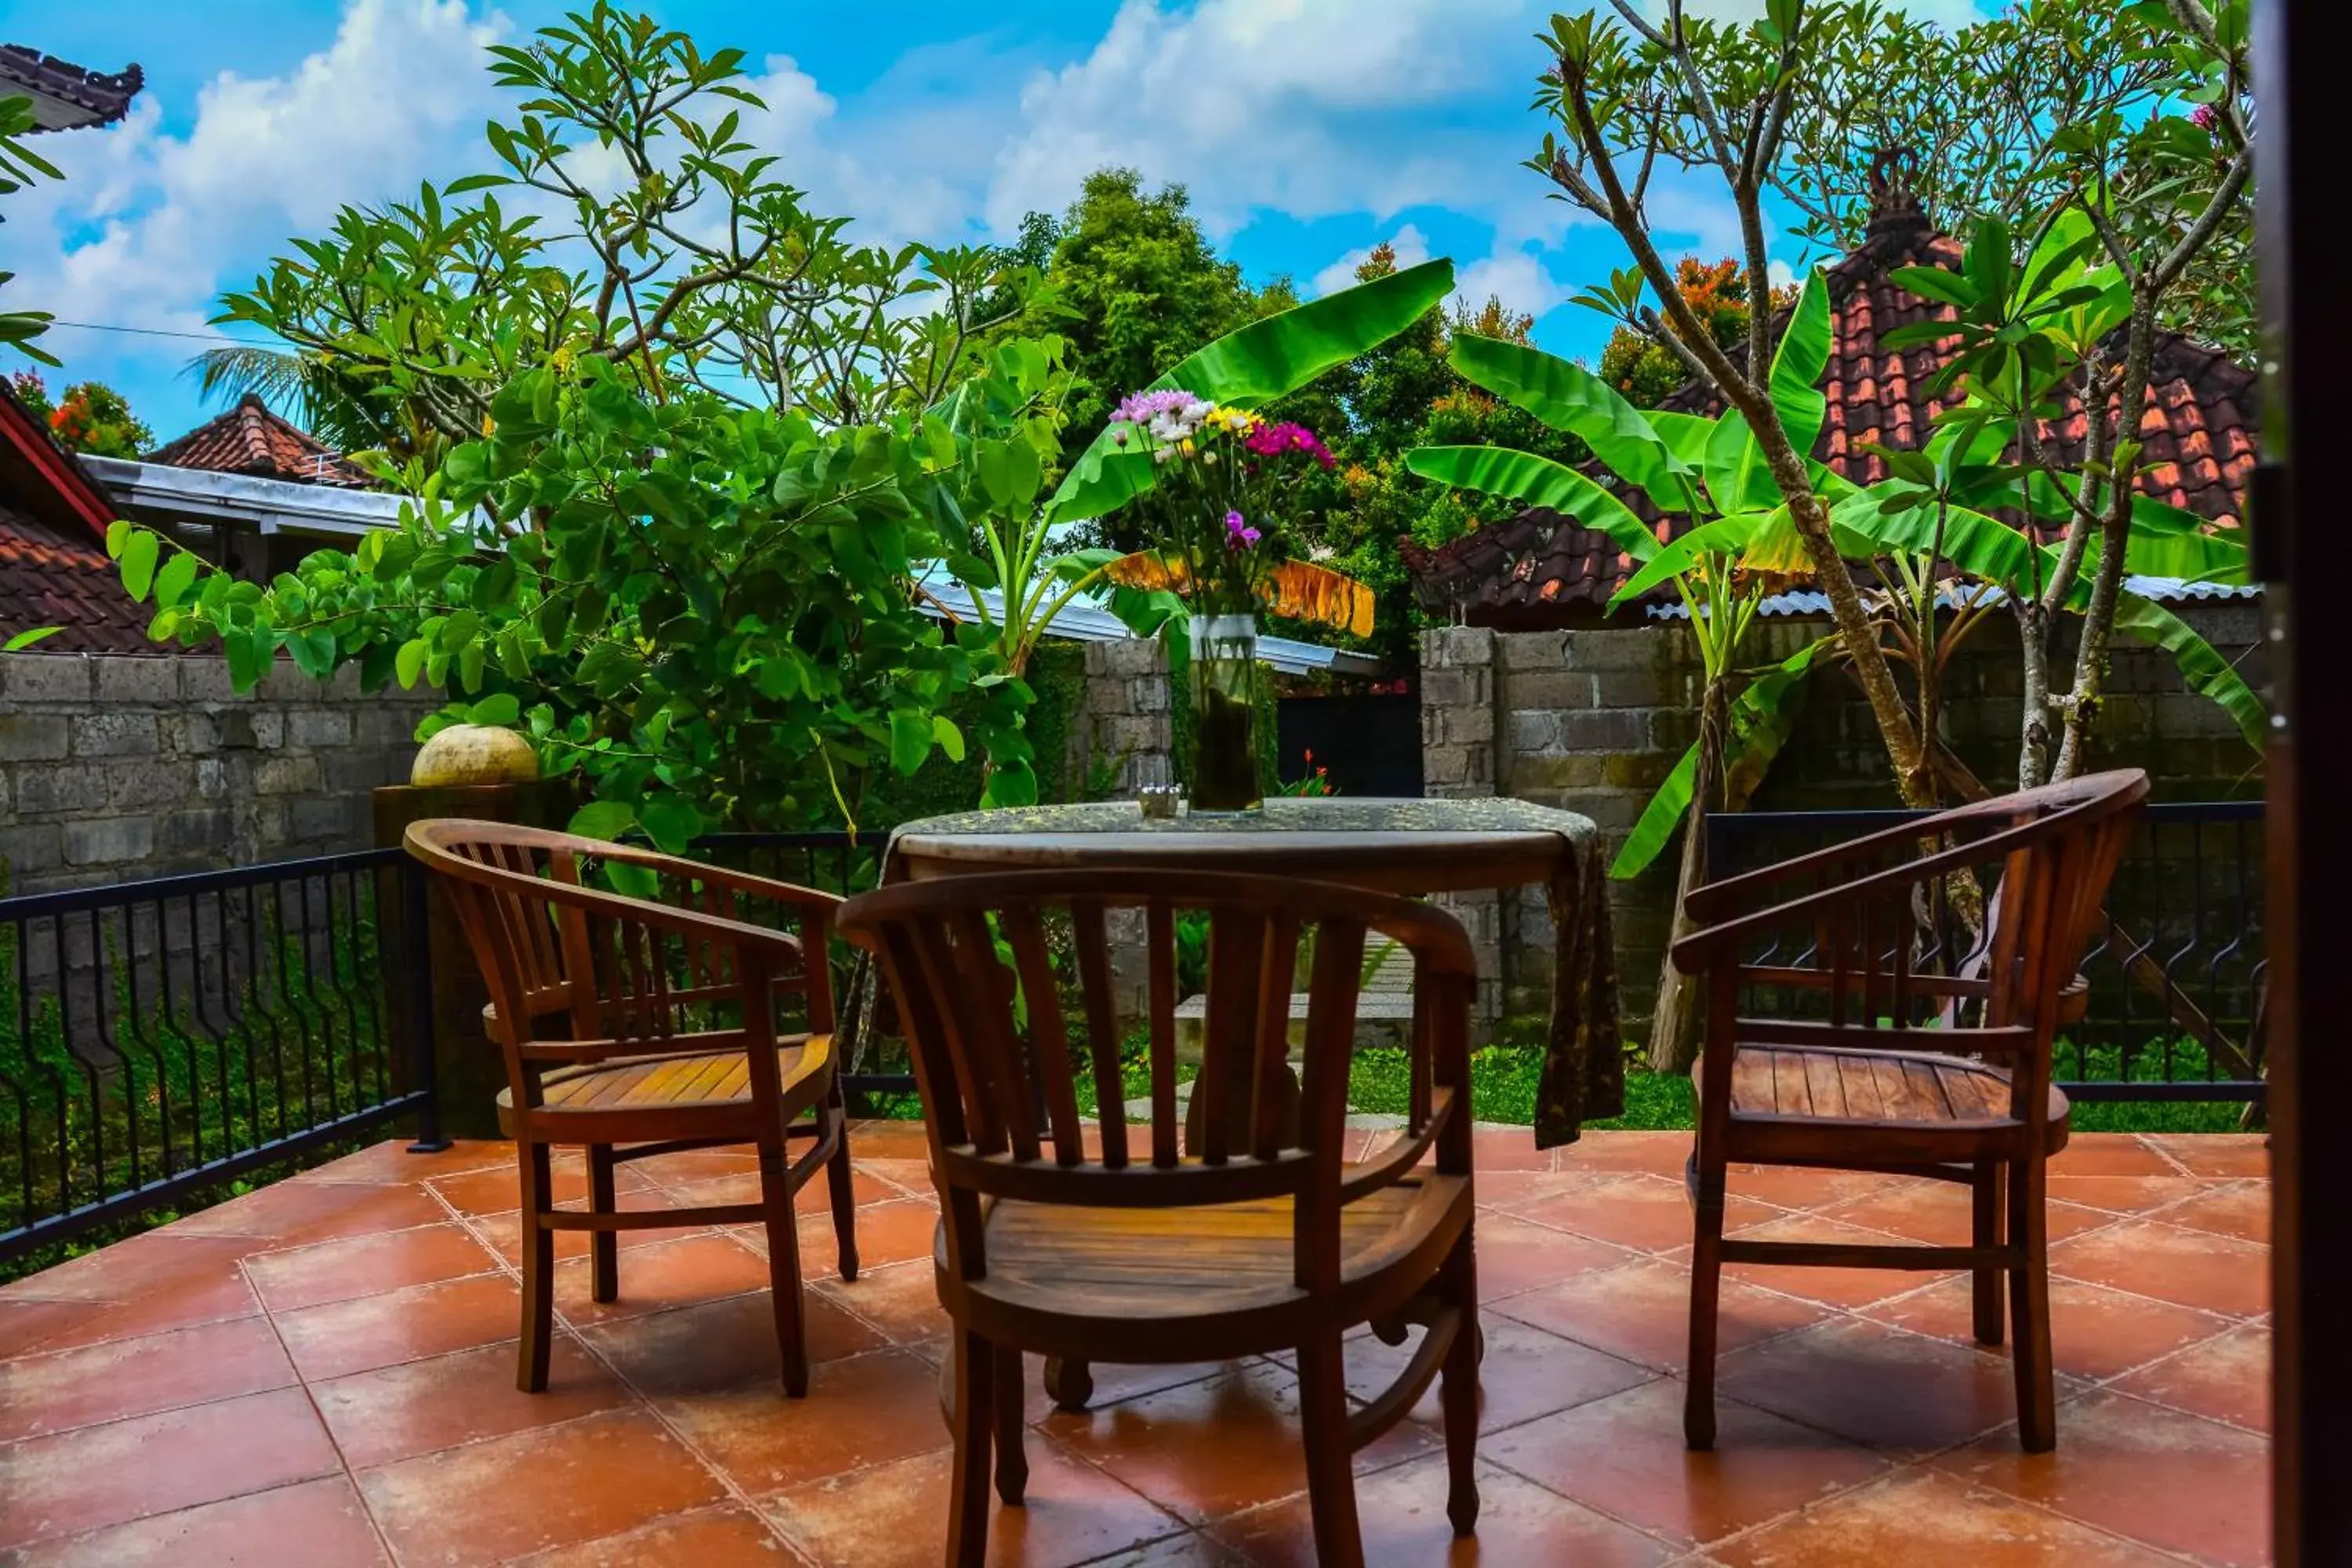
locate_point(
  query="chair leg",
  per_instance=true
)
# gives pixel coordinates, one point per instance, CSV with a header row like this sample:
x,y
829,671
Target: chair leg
x,y
1985,1230
1707,1290
2037,1413
1012,1457
1458,1392
603,1246
844,1199
784,1266
972,1421
538,1271
1330,1480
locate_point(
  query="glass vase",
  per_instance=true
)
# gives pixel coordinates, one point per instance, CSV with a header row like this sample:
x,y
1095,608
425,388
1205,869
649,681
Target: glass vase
x,y
1223,692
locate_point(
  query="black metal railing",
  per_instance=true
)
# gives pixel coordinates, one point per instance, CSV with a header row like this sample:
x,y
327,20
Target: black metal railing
x,y
164,1035
2175,970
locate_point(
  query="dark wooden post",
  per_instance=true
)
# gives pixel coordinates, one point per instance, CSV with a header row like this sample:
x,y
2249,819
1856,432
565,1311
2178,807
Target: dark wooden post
x,y
468,1069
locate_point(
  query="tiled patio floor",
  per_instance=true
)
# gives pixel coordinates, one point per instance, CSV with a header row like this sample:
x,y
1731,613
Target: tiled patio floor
x,y
320,1374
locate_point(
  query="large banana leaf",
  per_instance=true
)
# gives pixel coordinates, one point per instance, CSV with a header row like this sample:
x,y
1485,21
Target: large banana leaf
x,y
1537,481
1567,396
1737,476
1257,364
1762,718
1724,535
1799,364
1992,551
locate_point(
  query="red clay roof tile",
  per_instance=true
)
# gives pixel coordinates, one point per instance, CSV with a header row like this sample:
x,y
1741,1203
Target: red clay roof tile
x,y
1538,568
249,440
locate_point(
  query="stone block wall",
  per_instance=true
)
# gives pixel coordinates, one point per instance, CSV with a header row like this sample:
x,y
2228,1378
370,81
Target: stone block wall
x,y
1127,727
1592,719
119,767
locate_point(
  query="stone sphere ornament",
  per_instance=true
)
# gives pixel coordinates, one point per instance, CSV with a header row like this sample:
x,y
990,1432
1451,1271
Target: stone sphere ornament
x,y
473,754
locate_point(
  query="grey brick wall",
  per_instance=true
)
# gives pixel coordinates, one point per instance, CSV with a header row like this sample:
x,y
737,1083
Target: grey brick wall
x,y
1126,721
1591,721
114,767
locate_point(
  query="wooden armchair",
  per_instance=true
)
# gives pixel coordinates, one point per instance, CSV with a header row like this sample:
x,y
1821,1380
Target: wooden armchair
x,y
1252,1239
634,1028
1878,1056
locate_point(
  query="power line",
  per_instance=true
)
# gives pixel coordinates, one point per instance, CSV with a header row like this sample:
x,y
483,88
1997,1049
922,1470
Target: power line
x,y
161,332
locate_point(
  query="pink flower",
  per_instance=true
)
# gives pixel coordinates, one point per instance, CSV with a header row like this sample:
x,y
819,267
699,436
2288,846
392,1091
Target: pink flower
x,y
1239,534
2206,117
1273,440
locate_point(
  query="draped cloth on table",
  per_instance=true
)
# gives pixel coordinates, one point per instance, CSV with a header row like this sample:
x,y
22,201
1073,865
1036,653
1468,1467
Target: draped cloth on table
x,y
1583,1069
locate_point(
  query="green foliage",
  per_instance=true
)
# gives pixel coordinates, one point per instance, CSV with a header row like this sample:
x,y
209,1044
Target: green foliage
x,y
91,417
19,167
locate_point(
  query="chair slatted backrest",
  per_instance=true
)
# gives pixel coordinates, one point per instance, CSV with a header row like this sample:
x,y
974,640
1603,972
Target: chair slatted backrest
x,y
578,974
1982,911
1007,988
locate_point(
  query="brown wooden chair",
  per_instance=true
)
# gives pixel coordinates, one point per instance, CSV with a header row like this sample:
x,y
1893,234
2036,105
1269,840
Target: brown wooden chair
x,y
1880,1055
1255,1237
636,1028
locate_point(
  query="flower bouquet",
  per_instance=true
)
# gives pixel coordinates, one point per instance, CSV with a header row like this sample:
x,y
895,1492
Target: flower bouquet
x,y
1221,476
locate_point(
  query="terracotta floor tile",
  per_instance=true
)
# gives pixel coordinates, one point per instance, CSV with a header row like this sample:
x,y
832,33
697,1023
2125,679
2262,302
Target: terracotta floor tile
x,y
2217,1153
317,1210
2227,1378
553,1485
133,1266
1509,1192
1799,1187
1194,1550
2189,1267
1401,1512
680,1271
1641,1313
503,1233
730,1537
721,1345
399,1412
902,1299
2095,1332
499,1187
390,1161
1870,1384
1659,1153
26,1325
682,1166
2121,1195
311,1524
895,1515
1923,1520
911,1177
1938,1214
212,1292
1625,1456
1112,1383
2142,1471
862,1410
1527,1373
2241,1209
1217,1446
1834,1286
894,1232
1515,1255
346,1337
2110,1154
1503,1149
72,1388
74,1482
1648,1213
359,1266
880,1138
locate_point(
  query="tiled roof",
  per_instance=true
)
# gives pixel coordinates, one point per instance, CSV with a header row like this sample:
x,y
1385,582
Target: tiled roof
x,y
249,440
65,95
1538,568
49,579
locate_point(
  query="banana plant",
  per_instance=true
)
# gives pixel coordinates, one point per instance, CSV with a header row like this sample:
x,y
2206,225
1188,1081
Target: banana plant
x,y
1741,545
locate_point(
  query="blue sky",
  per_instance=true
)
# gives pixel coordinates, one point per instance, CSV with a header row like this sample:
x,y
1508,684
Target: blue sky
x,y
1306,129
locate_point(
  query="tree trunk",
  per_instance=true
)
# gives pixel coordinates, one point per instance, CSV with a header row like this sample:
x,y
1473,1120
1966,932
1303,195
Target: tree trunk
x,y
1675,1022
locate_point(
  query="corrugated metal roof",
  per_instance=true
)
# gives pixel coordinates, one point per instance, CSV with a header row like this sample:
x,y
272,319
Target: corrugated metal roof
x,y
1813,602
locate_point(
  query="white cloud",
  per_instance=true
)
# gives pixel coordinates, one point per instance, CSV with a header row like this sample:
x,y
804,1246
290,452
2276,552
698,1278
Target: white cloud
x,y
1412,248
1516,276
1268,103
146,224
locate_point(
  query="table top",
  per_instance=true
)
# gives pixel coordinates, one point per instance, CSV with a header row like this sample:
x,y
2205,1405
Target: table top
x,y
1398,846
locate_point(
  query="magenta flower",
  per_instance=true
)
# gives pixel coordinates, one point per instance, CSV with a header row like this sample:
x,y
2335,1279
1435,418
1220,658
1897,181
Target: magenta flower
x,y
1239,534
2206,117
1273,440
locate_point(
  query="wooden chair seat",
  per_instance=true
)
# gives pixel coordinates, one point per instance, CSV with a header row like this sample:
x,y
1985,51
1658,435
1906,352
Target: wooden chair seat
x,y
719,1080
1110,1284
1910,1094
